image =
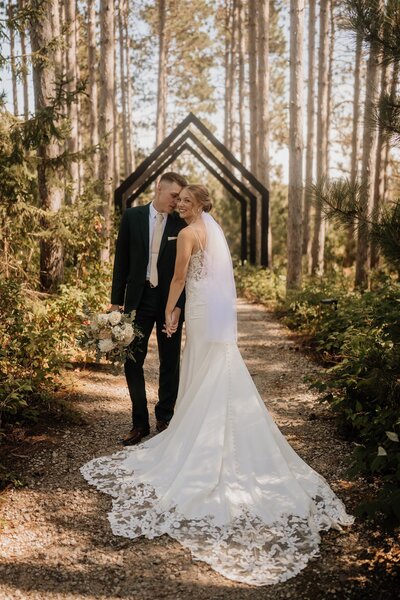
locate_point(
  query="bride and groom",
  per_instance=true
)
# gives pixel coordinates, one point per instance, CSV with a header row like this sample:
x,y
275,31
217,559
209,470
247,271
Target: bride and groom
x,y
220,477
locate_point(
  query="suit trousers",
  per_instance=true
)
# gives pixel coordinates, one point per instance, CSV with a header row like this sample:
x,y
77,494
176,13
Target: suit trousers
x,y
149,312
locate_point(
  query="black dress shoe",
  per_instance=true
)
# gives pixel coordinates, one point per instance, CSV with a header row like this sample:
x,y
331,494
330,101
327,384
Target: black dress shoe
x,y
137,433
161,425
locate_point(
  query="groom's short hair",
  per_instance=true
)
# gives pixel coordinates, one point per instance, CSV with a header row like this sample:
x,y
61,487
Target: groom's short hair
x,y
173,178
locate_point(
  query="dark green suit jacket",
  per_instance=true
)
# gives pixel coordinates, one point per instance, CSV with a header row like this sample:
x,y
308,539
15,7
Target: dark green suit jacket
x,y
132,257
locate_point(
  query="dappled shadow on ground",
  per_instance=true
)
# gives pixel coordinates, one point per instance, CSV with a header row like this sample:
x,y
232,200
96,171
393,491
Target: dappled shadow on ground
x,y
128,580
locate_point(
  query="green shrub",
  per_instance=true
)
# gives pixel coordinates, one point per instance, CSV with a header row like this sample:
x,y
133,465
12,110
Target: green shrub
x,y
360,341
258,284
38,337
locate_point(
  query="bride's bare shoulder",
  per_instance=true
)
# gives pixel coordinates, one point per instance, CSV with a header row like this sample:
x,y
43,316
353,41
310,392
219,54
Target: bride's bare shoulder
x,y
186,233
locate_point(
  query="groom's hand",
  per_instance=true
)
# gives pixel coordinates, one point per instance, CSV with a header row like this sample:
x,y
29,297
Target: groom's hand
x,y
113,307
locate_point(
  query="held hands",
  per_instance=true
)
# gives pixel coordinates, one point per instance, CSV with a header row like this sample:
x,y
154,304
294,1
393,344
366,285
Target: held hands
x,y
171,321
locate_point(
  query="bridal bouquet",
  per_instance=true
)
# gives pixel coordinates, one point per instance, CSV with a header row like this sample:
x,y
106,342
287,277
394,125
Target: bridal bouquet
x,y
109,335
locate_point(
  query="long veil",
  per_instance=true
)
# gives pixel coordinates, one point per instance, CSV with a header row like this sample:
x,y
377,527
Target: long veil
x,y
220,285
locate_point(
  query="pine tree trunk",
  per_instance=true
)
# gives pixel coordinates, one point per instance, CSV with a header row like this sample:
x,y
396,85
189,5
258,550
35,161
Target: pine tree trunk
x,y
118,118
72,142
295,188
118,90
393,91
55,23
242,83
64,107
80,116
131,145
116,141
310,132
379,183
106,125
10,11
228,80
252,42
123,81
44,75
355,142
56,30
24,65
232,77
350,246
330,81
161,125
318,243
263,113
368,167
93,91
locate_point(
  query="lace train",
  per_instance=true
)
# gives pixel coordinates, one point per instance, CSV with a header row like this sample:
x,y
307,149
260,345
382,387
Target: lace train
x,y
245,549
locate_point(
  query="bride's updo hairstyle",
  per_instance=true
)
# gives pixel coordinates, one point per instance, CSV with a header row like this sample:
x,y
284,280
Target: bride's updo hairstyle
x,y
200,193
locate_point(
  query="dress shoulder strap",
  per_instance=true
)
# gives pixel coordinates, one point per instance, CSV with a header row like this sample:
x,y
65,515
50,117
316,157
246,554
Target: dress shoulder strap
x,y
198,237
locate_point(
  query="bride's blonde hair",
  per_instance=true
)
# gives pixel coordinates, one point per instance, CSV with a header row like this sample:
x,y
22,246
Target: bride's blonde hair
x,y
200,192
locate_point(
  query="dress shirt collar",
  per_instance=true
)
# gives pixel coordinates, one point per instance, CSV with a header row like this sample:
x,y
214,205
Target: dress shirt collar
x,y
154,212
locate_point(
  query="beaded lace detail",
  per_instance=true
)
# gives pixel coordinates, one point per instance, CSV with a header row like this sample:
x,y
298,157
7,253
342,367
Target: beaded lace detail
x,y
197,271
247,549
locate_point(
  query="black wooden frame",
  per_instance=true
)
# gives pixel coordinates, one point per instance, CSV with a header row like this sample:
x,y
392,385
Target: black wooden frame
x,y
172,147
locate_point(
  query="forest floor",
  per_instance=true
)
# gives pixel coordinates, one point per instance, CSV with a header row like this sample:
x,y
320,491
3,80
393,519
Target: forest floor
x,y
55,539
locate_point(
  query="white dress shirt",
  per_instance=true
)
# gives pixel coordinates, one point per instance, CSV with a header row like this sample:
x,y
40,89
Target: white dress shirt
x,y
152,222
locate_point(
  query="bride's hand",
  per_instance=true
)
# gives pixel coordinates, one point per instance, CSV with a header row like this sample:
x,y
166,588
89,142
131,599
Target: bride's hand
x,y
171,321
168,324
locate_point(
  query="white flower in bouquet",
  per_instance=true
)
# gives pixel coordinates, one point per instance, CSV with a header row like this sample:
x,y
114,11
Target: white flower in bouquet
x,y
102,319
118,333
129,334
106,345
114,317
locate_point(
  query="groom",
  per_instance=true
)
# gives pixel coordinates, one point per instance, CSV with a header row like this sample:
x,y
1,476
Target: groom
x,y
143,268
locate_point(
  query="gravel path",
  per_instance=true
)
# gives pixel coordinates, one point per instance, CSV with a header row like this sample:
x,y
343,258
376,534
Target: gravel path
x,y
55,540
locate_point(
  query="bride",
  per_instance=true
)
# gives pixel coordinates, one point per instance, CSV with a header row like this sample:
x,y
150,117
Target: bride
x,y
222,479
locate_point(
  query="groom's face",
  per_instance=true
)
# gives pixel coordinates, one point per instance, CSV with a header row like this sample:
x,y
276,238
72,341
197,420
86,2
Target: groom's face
x,y
167,196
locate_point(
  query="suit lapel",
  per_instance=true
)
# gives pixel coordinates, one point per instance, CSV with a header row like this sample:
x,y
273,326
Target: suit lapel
x,y
144,228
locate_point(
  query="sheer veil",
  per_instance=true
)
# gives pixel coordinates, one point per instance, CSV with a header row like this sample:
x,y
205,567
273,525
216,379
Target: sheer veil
x,y
220,290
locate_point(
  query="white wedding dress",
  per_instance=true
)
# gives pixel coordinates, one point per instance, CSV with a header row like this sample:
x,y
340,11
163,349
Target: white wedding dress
x,y
222,479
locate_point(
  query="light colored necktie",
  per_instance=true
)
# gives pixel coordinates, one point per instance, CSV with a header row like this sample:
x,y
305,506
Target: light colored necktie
x,y
155,248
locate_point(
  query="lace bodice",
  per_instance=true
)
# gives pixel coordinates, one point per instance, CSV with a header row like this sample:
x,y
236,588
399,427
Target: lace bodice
x,y
196,272
197,266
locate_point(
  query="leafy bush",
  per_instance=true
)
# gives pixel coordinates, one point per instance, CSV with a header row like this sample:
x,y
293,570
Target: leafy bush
x,y
257,284
361,343
38,337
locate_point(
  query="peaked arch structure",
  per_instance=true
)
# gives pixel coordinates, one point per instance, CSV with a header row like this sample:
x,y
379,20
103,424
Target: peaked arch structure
x,y
235,178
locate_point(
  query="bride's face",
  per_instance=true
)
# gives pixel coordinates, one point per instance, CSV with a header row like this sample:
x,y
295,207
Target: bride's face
x,y
188,207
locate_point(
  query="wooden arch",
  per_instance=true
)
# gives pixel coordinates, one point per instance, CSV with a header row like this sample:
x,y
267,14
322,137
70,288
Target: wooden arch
x,y
243,190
